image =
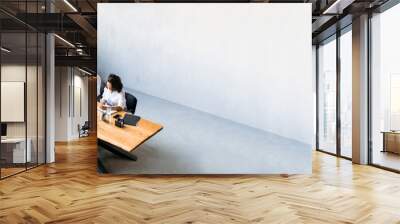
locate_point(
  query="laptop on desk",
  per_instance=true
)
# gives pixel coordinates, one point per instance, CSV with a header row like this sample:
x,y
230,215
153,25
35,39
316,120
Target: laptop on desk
x,y
105,111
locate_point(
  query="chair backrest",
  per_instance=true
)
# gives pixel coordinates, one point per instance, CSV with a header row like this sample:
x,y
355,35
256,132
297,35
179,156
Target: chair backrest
x,y
131,102
86,125
102,85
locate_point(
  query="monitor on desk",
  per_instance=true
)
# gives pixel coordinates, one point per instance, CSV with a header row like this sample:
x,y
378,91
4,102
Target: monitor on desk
x,y
3,130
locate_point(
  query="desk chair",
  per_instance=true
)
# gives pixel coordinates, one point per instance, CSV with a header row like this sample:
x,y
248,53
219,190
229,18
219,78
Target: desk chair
x,y
84,130
131,102
102,85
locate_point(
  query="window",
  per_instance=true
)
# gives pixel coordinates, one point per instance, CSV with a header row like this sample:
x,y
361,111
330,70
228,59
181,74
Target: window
x,y
333,138
327,96
346,93
22,66
385,89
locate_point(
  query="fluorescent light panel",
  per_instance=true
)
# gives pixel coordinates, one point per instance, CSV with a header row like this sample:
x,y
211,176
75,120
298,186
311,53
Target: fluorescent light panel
x,y
331,7
84,71
70,5
64,40
338,6
5,50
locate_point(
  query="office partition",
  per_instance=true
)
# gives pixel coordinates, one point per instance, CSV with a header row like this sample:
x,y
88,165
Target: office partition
x,y
327,78
22,78
334,107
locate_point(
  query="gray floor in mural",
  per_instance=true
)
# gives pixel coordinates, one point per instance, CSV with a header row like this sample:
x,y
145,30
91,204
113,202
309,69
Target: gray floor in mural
x,y
194,142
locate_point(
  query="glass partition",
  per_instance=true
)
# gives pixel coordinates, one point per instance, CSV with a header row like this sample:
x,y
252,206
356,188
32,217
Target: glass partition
x,y
41,97
385,89
327,96
346,93
335,94
22,88
32,97
14,153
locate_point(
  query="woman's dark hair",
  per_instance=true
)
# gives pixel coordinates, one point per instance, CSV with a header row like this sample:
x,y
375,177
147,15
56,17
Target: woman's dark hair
x,y
115,81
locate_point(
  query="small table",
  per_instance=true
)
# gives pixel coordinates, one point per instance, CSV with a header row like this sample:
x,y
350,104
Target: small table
x,y
122,141
14,151
391,141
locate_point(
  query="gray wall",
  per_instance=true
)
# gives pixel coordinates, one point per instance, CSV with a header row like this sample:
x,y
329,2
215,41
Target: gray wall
x,y
250,63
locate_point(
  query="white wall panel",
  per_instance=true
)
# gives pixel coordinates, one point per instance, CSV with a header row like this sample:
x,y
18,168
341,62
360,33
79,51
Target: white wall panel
x,y
250,63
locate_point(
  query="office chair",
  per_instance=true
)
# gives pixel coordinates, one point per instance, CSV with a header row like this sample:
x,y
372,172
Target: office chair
x,y
102,85
84,130
131,102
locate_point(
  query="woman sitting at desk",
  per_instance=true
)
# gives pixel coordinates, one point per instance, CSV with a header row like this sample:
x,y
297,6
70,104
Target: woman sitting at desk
x,y
113,95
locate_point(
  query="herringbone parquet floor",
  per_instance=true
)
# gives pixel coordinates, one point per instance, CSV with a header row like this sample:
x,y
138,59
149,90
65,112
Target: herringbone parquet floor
x,y
70,191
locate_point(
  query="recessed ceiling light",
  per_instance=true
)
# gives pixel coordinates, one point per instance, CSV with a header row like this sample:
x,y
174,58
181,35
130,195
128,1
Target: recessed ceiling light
x,y
84,71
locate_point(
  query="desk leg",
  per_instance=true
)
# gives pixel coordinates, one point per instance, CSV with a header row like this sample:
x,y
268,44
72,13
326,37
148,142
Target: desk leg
x,y
100,166
116,150
384,143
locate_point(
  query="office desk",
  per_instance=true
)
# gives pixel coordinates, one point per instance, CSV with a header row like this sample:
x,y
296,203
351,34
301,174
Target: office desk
x,y
13,150
124,140
391,141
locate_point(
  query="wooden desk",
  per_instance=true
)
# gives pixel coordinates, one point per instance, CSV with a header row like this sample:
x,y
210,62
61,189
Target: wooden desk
x,y
125,139
13,150
391,142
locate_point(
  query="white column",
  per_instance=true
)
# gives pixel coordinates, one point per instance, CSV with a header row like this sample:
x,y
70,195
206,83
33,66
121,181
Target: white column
x,y
50,99
314,84
360,90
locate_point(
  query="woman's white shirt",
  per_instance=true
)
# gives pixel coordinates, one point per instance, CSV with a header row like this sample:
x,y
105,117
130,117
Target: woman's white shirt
x,y
114,98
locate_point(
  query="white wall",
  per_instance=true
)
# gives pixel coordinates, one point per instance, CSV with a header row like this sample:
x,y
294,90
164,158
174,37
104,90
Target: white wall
x,y
61,103
17,73
67,116
33,126
250,63
81,108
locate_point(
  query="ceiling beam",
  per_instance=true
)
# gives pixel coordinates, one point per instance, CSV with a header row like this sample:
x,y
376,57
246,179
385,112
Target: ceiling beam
x,y
84,24
81,61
